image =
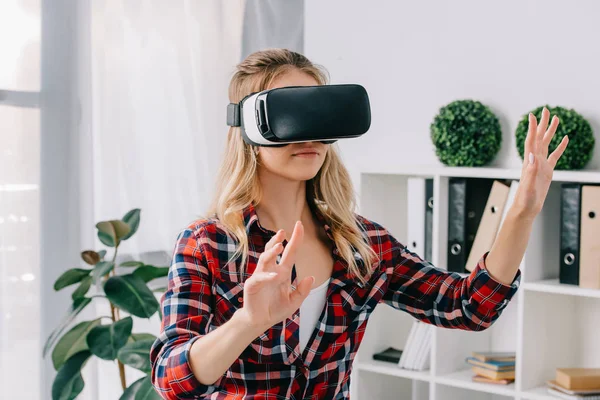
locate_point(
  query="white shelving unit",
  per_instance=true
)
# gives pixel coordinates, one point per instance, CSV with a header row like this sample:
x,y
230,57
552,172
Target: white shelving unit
x,y
548,324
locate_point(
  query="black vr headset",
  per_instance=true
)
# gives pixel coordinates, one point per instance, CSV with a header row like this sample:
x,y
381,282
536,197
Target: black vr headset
x,y
277,117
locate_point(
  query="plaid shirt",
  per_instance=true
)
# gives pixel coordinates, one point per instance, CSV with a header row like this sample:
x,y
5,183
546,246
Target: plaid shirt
x,y
204,291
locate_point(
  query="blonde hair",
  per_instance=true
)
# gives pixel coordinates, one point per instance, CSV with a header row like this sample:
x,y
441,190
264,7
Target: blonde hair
x,y
329,193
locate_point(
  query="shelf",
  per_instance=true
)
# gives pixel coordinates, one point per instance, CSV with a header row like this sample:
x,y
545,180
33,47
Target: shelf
x,y
539,393
584,176
553,286
382,367
464,379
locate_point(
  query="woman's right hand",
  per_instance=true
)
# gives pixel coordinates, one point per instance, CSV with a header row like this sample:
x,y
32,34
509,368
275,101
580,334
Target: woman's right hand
x,y
268,294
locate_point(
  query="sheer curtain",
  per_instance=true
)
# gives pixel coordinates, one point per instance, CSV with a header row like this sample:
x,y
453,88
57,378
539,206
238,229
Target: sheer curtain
x,y
159,77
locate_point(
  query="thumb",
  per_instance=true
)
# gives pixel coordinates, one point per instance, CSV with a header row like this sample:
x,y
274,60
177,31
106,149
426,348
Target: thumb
x,y
302,290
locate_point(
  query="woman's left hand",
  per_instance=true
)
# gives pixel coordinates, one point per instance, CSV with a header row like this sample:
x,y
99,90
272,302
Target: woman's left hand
x,y
538,167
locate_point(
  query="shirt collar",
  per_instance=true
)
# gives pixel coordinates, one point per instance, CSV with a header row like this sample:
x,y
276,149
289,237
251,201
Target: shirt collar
x,y
253,224
341,275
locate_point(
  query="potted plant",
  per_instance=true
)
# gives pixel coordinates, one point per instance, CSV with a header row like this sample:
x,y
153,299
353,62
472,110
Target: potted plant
x,y
106,337
572,124
466,133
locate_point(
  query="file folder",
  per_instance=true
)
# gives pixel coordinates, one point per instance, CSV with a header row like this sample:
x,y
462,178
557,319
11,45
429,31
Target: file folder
x,y
589,266
570,218
416,215
428,218
490,221
466,202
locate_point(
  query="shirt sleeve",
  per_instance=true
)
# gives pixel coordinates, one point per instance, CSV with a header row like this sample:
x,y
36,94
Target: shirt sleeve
x,y
186,308
444,298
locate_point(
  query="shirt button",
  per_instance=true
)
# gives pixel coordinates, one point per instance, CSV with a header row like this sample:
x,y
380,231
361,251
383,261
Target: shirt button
x,y
320,333
240,299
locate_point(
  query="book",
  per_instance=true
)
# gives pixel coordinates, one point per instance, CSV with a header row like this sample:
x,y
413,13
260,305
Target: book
x,y
494,356
492,364
493,374
578,378
390,354
562,395
408,347
483,379
556,386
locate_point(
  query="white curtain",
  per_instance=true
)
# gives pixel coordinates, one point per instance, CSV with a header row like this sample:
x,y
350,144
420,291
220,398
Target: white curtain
x,y
159,77
160,73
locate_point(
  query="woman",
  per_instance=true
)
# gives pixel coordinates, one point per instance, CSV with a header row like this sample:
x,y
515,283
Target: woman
x,y
239,323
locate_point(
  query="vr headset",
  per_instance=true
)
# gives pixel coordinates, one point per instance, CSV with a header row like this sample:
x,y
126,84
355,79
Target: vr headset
x,y
326,113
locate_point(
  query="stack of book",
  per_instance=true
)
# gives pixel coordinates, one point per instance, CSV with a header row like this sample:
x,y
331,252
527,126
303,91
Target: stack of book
x,y
576,383
418,345
493,367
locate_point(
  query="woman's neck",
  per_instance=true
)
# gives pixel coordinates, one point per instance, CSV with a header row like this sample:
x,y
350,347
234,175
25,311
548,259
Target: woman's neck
x,y
283,203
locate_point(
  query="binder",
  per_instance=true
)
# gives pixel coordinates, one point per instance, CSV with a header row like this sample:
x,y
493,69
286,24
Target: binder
x,y
570,218
466,203
514,186
490,221
589,266
416,215
428,218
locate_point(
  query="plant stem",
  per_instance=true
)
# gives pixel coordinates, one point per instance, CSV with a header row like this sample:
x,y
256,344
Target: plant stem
x,y
114,313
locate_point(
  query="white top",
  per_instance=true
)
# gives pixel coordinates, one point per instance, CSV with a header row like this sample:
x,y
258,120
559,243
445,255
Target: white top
x,y
310,311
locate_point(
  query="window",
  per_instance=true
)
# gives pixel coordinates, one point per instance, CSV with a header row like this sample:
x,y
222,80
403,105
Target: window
x,y
20,26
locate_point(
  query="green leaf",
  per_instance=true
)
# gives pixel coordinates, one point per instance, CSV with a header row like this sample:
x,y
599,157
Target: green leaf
x,y
140,390
70,277
101,269
137,354
106,233
132,264
68,382
130,293
83,288
105,341
72,342
135,337
149,272
132,218
78,305
102,253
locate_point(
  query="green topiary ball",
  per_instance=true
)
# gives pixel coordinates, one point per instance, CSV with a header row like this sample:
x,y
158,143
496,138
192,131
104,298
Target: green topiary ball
x,y
581,137
466,133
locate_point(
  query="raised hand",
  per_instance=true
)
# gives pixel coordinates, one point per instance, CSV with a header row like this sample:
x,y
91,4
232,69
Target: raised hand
x,y
268,294
538,167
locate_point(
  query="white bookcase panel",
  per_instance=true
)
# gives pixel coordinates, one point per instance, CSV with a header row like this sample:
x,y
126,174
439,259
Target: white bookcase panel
x,y
549,325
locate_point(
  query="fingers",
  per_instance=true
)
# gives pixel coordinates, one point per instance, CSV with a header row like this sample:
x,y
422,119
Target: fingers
x,y
289,255
543,122
259,278
555,156
550,132
297,296
266,261
530,139
278,237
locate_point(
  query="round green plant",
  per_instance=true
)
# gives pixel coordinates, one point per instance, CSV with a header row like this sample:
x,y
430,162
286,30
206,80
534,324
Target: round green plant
x,y
466,133
581,137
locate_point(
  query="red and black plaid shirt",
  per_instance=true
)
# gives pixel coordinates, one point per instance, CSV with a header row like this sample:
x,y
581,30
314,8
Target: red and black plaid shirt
x,y
204,291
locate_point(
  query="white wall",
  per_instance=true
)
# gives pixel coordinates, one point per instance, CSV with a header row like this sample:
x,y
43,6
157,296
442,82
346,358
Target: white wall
x,y
414,57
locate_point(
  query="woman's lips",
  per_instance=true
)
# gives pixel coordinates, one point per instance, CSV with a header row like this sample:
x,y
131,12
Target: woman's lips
x,y
310,154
